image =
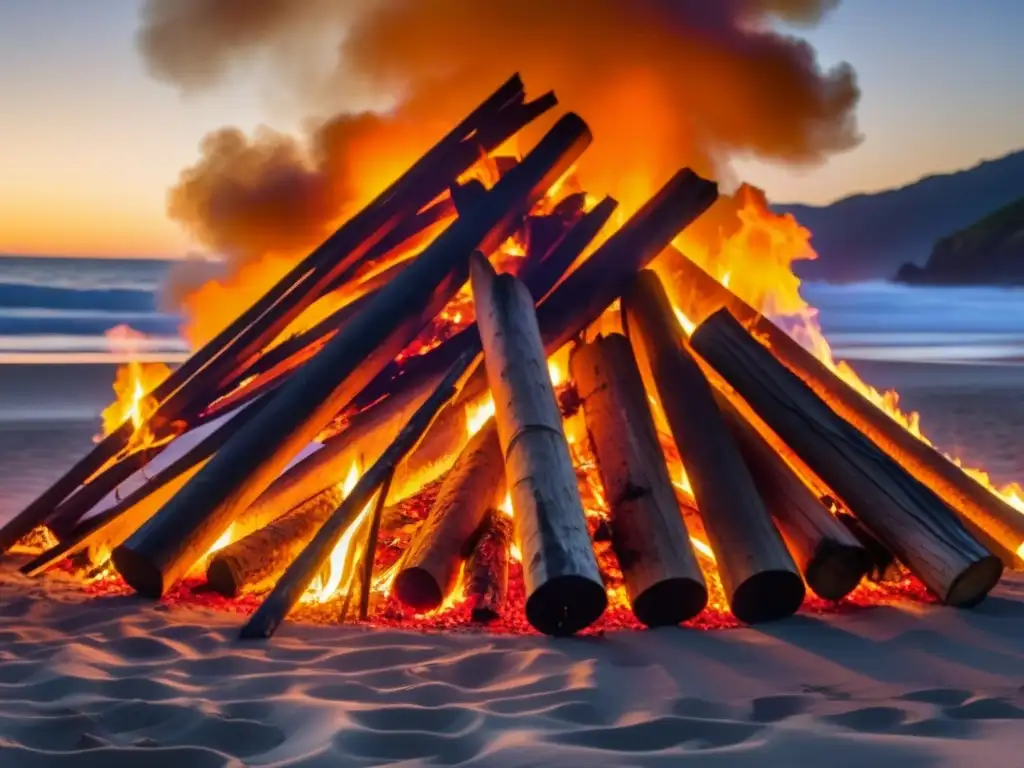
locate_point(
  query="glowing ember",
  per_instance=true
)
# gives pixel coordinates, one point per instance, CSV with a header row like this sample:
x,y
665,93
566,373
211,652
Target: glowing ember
x,y
132,385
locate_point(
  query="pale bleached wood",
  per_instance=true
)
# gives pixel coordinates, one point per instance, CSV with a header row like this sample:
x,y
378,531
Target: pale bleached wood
x,y
564,590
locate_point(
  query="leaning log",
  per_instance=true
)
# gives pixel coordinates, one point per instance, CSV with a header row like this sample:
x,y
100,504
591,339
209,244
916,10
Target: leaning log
x,y
698,295
564,590
386,403
430,565
831,559
168,545
108,528
300,573
490,124
581,298
760,579
486,575
883,564
663,580
906,515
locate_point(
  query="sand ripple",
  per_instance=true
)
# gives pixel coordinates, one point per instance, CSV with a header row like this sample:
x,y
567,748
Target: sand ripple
x,y
119,682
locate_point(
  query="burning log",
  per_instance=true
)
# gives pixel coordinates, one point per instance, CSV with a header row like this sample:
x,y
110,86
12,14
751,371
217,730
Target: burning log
x,y
906,515
581,298
486,572
830,557
111,526
254,562
564,590
300,573
386,403
659,567
430,566
760,579
173,540
485,128
883,564
1002,527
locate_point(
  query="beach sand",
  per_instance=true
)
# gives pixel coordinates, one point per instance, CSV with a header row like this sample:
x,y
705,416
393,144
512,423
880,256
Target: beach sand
x,y
123,682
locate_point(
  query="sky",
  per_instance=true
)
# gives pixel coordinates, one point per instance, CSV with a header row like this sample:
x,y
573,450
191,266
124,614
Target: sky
x,y
89,143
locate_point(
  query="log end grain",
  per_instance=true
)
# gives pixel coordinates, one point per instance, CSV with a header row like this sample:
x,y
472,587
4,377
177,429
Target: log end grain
x,y
974,583
139,572
418,588
564,605
836,569
222,577
768,596
670,602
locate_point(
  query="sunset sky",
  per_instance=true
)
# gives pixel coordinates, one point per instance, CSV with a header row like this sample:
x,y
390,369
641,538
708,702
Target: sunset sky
x,y
89,143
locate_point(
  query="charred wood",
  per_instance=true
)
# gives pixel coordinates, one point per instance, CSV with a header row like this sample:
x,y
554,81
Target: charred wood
x,y
909,518
760,579
663,580
486,573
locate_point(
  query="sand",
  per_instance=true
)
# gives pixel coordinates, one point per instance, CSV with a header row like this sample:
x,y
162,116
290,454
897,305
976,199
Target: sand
x,y
120,681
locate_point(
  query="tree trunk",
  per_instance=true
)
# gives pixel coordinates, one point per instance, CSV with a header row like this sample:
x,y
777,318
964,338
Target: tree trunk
x,y
430,565
760,579
698,295
173,540
487,568
663,580
300,573
486,127
908,517
564,590
831,559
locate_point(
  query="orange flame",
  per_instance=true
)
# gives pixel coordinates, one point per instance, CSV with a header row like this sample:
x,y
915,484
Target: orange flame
x,y
506,507
340,564
132,385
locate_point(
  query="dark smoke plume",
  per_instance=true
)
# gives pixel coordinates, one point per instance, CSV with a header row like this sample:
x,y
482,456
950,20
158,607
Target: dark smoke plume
x,y
663,83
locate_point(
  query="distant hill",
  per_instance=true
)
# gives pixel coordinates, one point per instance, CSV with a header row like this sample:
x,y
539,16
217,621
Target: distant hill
x,y
869,237
989,252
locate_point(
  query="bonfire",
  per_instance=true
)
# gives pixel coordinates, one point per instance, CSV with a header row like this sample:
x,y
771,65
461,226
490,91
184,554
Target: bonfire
x,y
491,399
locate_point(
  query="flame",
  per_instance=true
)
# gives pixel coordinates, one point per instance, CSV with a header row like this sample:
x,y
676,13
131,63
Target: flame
x,y
683,483
506,507
688,325
478,414
754,261
703,549
343,557
132,384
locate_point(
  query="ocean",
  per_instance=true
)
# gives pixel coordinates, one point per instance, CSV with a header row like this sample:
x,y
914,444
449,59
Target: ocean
x,y
955,355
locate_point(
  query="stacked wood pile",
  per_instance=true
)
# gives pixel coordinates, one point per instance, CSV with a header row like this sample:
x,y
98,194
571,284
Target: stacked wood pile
x,y
793,491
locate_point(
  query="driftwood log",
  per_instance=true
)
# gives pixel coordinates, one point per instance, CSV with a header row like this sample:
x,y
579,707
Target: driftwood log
x,y
255,562
430,565
497,118
663,580
386,403
760,579
906,515
581,298
830,557
698,295
167,546
486,574
290,587
564,590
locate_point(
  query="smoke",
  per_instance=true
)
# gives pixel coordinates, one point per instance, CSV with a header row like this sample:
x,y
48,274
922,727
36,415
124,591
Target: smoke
x,y
663,83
